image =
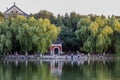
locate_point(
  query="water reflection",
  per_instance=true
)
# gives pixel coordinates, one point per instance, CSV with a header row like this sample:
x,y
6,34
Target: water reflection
x,y
60,70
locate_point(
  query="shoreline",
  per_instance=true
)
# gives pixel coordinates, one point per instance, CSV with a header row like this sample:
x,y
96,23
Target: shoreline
x,y
56,57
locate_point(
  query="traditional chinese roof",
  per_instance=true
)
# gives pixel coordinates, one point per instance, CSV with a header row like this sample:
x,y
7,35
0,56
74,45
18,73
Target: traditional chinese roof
x,y
58,41
15,9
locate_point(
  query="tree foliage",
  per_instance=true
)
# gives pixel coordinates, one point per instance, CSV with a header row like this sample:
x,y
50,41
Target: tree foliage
x,y
1,17
98,35
27,34
89,33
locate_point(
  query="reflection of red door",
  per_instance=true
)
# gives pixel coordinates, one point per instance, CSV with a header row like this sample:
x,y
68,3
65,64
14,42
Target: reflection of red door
x,y
56,68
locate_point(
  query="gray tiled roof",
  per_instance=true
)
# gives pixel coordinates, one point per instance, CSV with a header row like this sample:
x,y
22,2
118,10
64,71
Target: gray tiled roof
x,y
23,13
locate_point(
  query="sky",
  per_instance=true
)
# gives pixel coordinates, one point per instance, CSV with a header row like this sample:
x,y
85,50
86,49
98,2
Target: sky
x,y
83,7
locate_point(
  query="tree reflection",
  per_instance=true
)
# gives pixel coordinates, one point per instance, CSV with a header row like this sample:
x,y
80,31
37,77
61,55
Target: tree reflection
x,y
60,70
92,70
21,72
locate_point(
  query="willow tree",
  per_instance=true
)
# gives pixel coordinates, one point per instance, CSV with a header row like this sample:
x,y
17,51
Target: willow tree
x,y
82,29
38,34
27,34
114,22
45,33
117,37
83,34
95,34
5,38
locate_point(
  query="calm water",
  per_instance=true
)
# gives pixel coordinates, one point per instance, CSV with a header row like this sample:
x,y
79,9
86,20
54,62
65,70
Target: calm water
x,y
58,70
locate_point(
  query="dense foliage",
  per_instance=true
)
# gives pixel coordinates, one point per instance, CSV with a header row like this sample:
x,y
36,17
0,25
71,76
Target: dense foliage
x,y
86,33
99,34
22,34
68,24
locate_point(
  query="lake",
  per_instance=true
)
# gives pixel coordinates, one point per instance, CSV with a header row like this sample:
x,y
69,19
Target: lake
x,y
60,70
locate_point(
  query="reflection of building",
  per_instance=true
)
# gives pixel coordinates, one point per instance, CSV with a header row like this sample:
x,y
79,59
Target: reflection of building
x,y
13,11
56,67
56,47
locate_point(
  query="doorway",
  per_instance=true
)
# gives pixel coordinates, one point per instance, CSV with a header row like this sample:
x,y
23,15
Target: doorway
x,y
56,51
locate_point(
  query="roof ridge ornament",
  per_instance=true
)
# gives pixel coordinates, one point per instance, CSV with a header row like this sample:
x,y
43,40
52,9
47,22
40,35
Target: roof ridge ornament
x,y
14,3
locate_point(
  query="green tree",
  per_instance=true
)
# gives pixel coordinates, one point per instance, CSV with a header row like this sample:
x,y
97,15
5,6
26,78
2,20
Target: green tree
x,y
74,18
27,34
66,21
1,17
5,38
95,35
45,14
